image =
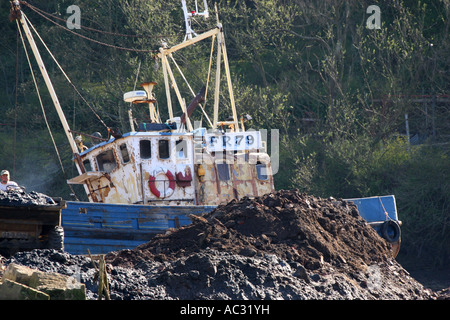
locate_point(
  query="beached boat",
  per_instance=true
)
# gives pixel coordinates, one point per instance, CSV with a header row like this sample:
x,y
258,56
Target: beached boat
x,y
161,174
154,177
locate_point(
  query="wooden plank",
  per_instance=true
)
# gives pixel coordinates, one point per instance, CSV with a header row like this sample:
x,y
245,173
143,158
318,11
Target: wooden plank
x,y
30,217
89,175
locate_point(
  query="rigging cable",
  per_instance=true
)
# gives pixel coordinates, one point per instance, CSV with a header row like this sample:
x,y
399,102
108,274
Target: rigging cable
x,y
15,104
190,88
43,14
65,75
39,96
42,107
97,30
87,38
46,16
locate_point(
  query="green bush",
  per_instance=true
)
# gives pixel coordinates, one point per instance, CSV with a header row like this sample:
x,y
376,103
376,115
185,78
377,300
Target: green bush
x,y
423,202
416,175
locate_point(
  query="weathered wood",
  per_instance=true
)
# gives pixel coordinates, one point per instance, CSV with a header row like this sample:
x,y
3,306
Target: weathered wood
x,y
100,279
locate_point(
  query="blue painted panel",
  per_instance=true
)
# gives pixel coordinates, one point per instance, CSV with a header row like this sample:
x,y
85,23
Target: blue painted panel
x,y
108,227
373,209
97,246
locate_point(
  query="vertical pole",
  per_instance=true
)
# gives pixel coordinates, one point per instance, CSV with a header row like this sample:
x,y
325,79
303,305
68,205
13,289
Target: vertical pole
x,y
100,279
217,88
230,87
130,118
166,83
144,200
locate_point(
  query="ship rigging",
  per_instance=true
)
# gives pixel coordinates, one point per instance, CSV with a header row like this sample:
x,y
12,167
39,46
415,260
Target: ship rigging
x,y
172,162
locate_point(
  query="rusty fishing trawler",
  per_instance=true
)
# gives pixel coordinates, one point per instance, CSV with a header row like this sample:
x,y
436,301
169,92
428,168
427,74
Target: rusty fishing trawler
x,y
159,174
164,172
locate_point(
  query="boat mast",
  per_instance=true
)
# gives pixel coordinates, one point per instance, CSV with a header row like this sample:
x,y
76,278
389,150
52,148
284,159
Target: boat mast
x,y
165,51
21,17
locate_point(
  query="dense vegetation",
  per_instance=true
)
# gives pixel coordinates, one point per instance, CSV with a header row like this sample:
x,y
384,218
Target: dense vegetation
x,y
337,91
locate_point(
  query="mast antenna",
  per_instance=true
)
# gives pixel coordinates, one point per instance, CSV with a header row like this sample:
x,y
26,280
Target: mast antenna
x,y
189,15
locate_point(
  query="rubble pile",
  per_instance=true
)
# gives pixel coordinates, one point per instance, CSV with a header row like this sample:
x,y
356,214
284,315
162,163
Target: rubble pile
x,y
23,283
18,196
284,245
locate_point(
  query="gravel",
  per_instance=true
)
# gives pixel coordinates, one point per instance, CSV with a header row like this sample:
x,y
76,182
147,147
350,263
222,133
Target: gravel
x,y
285,245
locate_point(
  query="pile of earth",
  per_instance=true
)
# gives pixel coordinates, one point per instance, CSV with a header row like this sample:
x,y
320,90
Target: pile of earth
x,y
293,226
284,245
19,197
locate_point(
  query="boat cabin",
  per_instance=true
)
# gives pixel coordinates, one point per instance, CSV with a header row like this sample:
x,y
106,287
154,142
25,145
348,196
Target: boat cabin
x,y
171,163
176,168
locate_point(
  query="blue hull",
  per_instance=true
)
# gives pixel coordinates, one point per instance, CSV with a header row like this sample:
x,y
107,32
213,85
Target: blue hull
x,y
103,228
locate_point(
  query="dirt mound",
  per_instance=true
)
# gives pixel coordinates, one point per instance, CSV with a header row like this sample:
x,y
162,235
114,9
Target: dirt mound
x,y
284,245
292,226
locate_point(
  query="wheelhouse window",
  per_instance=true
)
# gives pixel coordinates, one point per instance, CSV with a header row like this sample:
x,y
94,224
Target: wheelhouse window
x,y
87,165
106,161
223,171
181,149
261,172
124,153
163,148
145,148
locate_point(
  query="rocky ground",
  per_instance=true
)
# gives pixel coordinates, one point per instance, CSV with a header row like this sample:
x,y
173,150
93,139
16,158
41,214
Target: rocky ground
x,y
19,196
284,245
